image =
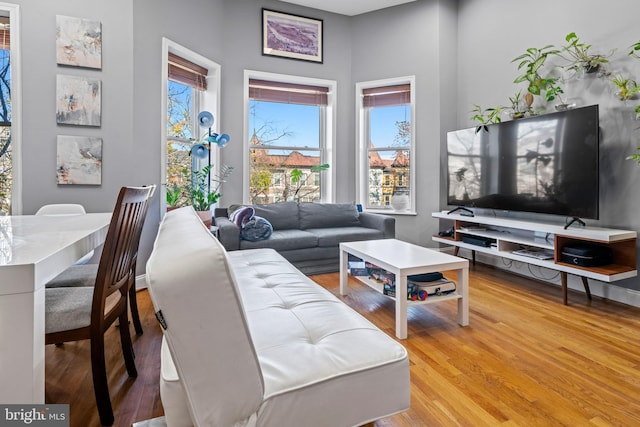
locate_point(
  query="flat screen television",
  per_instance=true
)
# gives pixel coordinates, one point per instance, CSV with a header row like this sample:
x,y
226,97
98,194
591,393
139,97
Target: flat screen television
x,y
543,164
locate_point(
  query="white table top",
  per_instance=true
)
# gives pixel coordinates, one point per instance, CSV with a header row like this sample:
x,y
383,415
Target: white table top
x,y
43,246
403,255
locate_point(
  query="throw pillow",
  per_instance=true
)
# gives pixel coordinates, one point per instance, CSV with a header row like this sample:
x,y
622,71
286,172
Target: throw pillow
x,y
256,229
242,215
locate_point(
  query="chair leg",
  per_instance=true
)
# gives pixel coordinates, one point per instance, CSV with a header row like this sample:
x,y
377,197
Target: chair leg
x,y
127,346
100,385
133,303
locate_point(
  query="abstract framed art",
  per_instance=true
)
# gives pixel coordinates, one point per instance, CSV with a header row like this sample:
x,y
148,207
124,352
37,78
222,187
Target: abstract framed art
x,y
79,160
78,101
78,42
291,36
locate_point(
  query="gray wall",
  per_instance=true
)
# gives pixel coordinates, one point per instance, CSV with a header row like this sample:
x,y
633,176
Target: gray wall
x,y
460,53
39,126
493,32
243,51
414,39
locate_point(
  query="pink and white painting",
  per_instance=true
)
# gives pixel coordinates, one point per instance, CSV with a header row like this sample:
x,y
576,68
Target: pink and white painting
x,y
78,42
79,160
78,101
291,36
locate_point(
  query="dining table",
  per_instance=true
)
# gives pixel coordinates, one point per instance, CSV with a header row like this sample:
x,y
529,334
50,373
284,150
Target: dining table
x,y
33,250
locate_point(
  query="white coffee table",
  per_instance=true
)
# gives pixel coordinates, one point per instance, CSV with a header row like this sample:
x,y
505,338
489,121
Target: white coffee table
x,y
404,259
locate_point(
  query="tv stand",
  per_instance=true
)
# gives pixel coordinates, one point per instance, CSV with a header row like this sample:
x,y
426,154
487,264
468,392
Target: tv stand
x,y
508,235
466,212
575,219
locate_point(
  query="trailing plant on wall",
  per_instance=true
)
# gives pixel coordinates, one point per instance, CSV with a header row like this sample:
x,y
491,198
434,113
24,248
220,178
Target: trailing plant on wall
x,y
580,57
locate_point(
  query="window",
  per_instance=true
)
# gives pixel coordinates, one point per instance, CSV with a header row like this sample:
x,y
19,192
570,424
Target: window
x,y
192,86
290,134
386,138
6,162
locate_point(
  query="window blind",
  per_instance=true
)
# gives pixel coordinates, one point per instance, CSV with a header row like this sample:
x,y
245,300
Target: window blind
x,y
289,93
386,96
187,72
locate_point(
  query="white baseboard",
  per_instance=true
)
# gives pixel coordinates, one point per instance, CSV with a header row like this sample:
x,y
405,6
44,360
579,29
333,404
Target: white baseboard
x,y
141,282
609,291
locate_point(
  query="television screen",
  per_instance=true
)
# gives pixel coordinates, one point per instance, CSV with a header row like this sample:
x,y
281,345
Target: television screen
x,y
543,164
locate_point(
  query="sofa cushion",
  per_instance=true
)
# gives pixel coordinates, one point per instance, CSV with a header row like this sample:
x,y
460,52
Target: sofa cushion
x,y
334,236
282,216
283,240
326,215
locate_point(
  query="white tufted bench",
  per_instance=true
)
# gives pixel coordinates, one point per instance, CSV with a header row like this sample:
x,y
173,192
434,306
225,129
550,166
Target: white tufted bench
x,y
250,341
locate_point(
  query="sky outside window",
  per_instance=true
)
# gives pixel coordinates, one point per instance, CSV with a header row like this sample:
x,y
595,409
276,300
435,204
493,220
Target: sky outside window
x,y
271,119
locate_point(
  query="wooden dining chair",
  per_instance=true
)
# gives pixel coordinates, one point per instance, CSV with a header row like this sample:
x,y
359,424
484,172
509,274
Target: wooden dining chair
x,y
82,274
85,312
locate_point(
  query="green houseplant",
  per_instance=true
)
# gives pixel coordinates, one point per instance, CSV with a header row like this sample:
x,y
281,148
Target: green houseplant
x,y
627,88
580,58
531,63
486,116
197,191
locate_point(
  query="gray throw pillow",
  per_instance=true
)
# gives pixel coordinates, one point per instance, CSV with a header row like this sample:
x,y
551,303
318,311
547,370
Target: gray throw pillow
x,y
282,216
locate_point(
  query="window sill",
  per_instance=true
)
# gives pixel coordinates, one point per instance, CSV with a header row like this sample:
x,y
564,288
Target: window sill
x,y
392,212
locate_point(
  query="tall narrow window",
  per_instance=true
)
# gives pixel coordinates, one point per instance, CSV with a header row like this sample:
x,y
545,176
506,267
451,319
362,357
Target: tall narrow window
x,y
288,129
186,83
385,133
6,165
191,84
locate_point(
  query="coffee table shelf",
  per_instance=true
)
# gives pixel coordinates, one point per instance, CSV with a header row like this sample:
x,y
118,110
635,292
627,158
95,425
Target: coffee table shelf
x,y
404,259
430,300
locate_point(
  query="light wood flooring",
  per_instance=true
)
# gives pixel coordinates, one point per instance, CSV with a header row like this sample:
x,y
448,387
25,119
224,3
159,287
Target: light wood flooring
x,y
524,360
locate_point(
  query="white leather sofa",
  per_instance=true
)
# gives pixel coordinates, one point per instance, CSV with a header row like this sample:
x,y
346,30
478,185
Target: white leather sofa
x,y
251,341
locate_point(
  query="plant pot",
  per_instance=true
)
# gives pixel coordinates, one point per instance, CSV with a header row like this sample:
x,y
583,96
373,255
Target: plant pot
x,y
400,202
590,69
205,216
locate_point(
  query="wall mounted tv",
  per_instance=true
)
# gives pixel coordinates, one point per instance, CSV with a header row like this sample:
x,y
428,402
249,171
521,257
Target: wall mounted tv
x,y
544,164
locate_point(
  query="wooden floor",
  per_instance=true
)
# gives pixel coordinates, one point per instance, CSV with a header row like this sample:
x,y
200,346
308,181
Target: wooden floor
x,y
524,360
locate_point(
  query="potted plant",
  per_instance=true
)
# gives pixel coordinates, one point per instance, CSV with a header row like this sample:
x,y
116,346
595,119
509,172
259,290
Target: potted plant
x,y
518,108
486,116
200,193
580,58
174,194
627,88
532,61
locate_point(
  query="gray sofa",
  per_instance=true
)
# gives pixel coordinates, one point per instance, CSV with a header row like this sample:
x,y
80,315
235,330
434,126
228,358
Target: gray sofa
x,y
308,234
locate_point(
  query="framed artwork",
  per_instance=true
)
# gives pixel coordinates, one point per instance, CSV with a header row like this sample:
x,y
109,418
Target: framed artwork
x,y
79,160
291,36
78,42
78,100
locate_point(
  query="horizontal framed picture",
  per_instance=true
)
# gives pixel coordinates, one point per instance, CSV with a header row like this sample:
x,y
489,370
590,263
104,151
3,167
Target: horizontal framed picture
x,y
291,36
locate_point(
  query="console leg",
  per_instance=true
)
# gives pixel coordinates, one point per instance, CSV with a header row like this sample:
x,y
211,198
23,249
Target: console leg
x,y
586,287
456,250
563,279
473,257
